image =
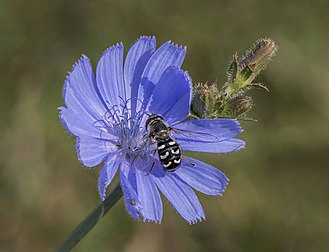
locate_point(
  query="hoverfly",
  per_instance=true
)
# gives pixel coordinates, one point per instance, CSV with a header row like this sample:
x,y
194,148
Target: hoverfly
x,y
168,149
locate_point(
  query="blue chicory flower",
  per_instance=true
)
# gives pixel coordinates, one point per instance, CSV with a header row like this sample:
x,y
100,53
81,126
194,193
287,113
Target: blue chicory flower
x,y
107,114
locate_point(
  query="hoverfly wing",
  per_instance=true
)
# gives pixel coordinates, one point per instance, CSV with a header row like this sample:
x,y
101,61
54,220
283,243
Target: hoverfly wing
x,y
189,134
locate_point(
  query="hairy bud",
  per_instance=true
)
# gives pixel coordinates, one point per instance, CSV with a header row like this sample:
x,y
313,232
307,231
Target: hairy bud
x,y
205,99
257,58
240,105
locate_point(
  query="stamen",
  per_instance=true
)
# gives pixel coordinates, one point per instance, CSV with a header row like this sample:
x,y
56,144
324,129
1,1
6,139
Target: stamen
x,y
124,124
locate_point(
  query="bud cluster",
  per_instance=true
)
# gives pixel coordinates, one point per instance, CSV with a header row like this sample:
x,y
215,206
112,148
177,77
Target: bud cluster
x,y
230,101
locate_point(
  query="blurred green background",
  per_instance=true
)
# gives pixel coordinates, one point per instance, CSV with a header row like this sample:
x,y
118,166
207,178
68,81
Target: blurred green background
x,y
277,199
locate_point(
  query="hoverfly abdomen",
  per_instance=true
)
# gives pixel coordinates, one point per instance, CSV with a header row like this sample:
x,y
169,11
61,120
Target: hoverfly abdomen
x,y
169,154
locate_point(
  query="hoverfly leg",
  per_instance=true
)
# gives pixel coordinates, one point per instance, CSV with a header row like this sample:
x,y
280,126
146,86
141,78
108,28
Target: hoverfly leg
x,y
188,161
153,163
151,168
134,160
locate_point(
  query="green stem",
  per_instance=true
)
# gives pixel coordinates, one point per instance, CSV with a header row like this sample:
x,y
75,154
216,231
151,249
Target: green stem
x,y
90,221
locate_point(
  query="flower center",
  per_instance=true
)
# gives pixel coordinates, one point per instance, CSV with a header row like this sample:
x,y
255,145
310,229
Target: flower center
x,y
126,126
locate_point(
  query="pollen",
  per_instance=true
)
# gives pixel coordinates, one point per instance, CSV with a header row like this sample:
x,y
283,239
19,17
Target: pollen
x,y
133,202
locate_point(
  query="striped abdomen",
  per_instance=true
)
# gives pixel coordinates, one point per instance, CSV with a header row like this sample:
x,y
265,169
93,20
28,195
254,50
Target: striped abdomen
x,y
169,154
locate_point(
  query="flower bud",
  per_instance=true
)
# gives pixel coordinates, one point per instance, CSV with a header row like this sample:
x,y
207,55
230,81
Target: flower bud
x,y
256,59
204,99
240,105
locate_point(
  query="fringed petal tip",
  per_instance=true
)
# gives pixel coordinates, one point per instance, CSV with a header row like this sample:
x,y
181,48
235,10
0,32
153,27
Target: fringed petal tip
x,y
152,221
223,185
223,189
241,147
134,215
62,120
197,220
102,197
65,86
77,149
82,59
189,80
178,70
134,210
101,188
132,202
118,45
145,37
233,123
177,46
238,125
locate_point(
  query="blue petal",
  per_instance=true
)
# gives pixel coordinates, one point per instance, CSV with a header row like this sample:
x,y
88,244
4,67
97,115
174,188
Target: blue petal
x,y
79,106
80,93
209,135
180,195
224,146
167,55
132,201
109,76
107,173
75,124
171,96
137,57
209,130
202,177
149,195
92,151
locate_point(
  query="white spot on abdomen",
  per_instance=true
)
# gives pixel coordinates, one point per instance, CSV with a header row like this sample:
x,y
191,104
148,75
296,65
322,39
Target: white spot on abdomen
x,y
167,165
175,152
177,161
165,155
161,147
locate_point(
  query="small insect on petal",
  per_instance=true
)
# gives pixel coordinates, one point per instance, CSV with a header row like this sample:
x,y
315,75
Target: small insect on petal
x,y
168,149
